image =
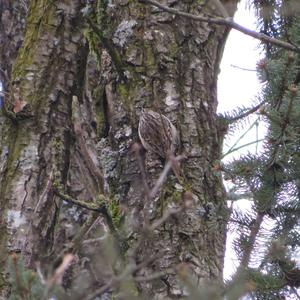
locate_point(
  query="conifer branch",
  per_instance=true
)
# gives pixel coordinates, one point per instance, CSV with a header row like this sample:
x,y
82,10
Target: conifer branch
x,y
252,239
241,147
228,22
247,113
233,148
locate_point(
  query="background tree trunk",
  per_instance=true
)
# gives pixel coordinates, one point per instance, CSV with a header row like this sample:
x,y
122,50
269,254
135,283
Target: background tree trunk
x,y
73,120
37,136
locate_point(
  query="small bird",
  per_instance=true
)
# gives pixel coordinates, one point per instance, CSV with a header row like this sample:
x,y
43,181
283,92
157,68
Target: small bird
x,y
157,133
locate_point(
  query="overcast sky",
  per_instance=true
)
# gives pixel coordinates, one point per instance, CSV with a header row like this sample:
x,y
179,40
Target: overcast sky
x,y
237,84
238,87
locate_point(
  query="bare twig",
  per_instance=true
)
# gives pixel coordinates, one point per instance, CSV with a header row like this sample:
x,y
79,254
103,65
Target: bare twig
x,y
151,228
130,269
137,149
78,239
57,276
166,215
243,69
97,208
228,22
88,205
96,240
101,290
75,243
154,276
163,176
59,272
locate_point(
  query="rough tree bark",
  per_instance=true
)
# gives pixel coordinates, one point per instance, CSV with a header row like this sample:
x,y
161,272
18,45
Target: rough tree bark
x,y
12,23
37,132
171,65
73,124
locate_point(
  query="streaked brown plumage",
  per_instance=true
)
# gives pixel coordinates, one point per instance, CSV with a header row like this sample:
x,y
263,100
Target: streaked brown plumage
x,y
157,133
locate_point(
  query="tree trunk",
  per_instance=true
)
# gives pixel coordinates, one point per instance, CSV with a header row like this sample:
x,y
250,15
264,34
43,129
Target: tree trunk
x,y
37,134
69,123
171,65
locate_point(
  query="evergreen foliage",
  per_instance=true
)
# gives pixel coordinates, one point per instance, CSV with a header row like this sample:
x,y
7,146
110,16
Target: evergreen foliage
x,y
268,240
24,282
27,284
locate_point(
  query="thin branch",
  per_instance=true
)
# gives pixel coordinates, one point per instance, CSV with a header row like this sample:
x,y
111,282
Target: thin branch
x,y
83,231
163,176
137,149
93,206
96,240
252,238
242,146
247,113
238,287
97,208
243,69
132,267
232,148
129,270
88,205
77,240
154,276
166,215
57,276
228,22
101,290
